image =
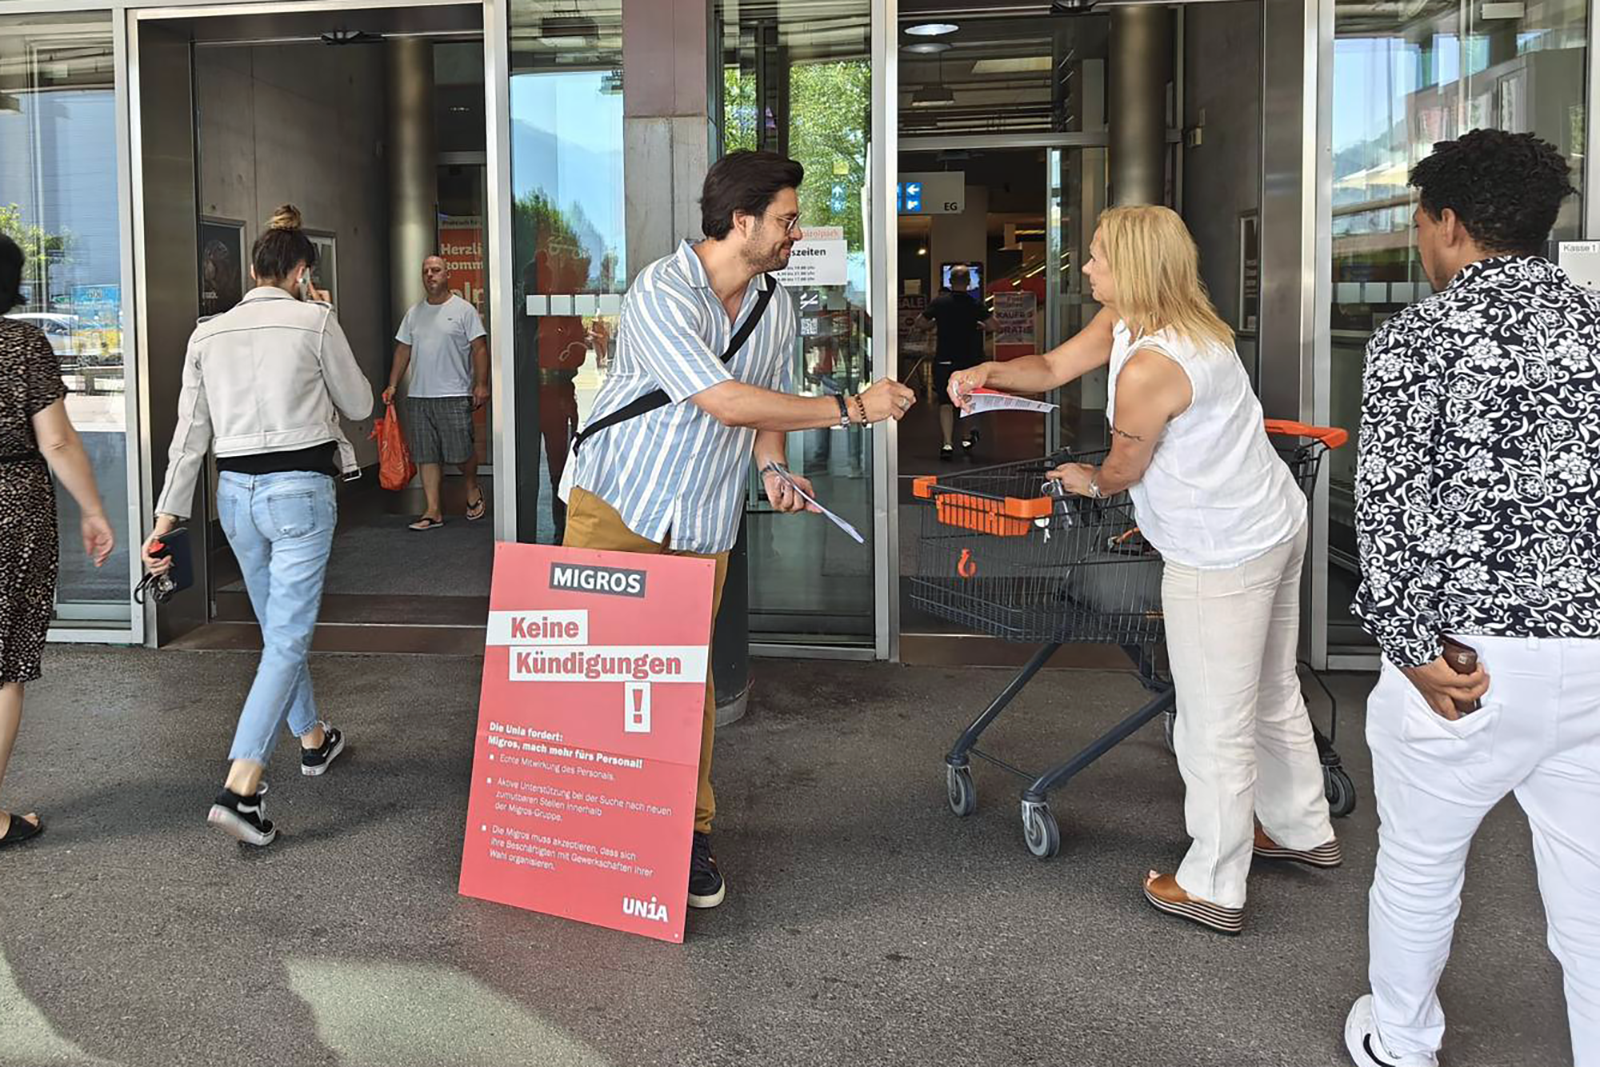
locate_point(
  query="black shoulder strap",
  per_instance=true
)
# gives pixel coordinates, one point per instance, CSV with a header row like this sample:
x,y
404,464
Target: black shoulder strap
x,y
658,398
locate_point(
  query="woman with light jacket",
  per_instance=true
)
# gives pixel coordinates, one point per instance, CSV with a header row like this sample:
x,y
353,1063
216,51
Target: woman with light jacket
x,y
1212,496
264,385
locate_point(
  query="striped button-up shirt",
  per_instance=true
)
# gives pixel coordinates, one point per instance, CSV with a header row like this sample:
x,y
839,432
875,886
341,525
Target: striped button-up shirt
x,y
676,470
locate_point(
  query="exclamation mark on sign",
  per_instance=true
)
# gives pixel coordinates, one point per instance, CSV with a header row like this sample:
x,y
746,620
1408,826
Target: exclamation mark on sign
x,y
636,707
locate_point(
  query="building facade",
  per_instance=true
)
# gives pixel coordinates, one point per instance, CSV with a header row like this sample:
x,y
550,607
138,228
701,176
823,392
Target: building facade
x,y
549,149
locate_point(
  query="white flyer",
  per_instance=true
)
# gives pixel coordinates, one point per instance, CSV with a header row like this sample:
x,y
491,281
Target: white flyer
x,y
773,468
981,400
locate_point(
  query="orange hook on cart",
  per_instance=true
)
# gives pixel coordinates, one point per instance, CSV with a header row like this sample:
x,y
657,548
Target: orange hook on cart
x,y
967,567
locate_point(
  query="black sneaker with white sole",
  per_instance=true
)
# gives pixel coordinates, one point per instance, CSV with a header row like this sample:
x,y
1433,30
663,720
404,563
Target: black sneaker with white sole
x,y
314,761
243,818
706,886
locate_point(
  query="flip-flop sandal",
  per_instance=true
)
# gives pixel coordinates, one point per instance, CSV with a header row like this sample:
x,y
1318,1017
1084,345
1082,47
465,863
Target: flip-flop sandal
x,y
21,830
478,510
426,523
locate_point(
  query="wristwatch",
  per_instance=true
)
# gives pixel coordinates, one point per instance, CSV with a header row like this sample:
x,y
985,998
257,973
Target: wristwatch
x,y
1094,487
844,410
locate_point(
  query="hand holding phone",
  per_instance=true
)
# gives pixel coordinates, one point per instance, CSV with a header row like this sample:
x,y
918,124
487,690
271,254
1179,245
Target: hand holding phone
x,y
1463,659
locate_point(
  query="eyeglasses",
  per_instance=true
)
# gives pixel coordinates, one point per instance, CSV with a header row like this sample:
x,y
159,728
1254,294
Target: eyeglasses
x,y
790,223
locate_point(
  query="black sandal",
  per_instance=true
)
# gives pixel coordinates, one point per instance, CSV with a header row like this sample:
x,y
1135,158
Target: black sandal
x,y
21,830
478,510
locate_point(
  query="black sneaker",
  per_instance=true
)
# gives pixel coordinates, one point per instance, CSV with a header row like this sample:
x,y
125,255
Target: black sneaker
x,y
968,441
706,887
243,818
314,761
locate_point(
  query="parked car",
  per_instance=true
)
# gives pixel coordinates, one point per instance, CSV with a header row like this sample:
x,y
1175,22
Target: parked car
x,y
62,330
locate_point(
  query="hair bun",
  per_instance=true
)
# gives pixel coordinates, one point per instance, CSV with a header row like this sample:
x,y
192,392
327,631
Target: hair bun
x,y
286,217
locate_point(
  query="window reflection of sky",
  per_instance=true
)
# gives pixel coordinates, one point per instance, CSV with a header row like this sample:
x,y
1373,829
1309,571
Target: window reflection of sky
x,y
566,142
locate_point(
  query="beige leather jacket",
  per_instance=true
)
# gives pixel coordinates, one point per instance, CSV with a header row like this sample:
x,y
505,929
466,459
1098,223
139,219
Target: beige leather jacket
x,y
272,374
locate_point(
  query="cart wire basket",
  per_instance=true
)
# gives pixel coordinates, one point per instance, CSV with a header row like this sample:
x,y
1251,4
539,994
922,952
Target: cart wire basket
x,y
1002,552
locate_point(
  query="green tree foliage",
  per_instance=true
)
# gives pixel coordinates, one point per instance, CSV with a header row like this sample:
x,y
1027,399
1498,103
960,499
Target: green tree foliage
x,y
829,105
39,246
829,117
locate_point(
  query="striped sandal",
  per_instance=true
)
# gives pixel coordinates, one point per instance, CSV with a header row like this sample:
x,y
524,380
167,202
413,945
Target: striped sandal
x,y
1164,893
1323,856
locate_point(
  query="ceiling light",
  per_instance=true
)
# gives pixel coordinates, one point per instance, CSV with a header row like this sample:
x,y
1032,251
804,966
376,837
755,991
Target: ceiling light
x,y
568,27
343,37
928,48
932,29
1016,65
932,96
922,251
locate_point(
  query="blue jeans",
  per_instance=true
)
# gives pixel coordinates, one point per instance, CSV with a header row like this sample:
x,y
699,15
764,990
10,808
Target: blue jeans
x,y
281,529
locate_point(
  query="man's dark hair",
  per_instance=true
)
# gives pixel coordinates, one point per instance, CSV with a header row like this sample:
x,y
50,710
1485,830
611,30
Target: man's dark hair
x,y
11,260
1506,188
744,181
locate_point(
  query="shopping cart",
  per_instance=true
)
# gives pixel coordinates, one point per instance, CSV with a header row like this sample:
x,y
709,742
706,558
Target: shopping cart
x,y
1001,552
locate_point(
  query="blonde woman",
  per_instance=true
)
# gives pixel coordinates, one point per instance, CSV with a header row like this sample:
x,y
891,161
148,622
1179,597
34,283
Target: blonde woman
x,y
1212,496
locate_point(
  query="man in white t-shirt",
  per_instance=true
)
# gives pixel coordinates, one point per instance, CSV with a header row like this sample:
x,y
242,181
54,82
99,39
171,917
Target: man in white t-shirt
x,y
442,341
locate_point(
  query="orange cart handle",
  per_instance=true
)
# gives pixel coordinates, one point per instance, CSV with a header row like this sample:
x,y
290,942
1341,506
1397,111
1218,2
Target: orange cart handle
x,y
927,487
1332,436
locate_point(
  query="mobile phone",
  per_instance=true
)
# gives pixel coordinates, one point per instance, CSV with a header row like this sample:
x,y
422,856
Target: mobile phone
x,y
1463,659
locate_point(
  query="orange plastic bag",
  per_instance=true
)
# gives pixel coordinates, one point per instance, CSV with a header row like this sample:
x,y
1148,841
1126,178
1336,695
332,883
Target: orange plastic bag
x,y
395,469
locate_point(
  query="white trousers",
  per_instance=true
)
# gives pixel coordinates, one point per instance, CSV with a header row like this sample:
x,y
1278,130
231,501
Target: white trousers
x,y
1243,736
1538,736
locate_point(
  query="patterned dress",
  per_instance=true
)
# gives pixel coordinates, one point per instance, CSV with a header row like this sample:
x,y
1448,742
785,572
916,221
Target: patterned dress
x,y
30,381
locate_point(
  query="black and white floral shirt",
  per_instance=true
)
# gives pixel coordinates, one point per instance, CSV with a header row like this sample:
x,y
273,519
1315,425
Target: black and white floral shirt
x,y
1478,481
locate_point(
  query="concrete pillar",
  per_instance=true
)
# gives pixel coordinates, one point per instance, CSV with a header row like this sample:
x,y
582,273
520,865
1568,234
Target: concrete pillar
x,y
413,170
1141,70
666,125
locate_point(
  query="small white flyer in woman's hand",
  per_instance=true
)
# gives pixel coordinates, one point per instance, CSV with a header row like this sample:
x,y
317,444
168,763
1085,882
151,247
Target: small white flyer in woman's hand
x,y
981,400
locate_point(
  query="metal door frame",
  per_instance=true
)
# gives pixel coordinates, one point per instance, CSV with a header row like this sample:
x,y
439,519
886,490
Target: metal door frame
x,y
128,15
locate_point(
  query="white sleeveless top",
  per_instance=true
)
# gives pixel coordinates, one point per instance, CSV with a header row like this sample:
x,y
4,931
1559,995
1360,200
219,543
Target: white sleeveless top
x,y
1216,493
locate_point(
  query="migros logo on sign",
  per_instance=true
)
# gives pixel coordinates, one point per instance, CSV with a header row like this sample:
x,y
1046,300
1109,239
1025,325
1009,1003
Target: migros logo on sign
x,y
613,581
650,911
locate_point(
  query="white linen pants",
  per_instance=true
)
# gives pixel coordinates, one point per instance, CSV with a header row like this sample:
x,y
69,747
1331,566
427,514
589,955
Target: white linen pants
x,y
1538,736
1244,741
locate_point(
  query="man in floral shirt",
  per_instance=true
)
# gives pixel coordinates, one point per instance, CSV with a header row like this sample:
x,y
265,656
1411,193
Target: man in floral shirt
x,y
1478,520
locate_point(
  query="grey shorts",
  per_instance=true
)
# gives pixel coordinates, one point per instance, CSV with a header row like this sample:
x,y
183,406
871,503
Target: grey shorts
x,y
439,428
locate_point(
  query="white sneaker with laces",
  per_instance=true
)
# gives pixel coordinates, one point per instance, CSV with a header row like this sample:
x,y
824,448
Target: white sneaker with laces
x,y
1366,1048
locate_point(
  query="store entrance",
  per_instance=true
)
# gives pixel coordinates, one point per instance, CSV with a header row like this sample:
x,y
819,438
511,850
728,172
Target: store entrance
x,y
373,123
1010,131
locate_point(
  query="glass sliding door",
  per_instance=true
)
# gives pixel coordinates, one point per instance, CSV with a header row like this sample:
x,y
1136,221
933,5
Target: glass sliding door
x,y
58,200
568,235
1404,78
1077,179
797,79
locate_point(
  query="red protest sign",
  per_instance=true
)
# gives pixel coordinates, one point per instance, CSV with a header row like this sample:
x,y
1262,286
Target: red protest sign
x,y
588,745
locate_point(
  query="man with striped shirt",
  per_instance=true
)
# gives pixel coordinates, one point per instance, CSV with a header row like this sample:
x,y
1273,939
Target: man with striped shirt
x,y
672,479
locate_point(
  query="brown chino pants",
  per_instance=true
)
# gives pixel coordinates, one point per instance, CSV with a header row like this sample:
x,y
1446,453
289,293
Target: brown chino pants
x,y
592,523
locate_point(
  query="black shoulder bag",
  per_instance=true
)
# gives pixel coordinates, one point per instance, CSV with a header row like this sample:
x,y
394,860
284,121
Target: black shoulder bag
x,y
650,401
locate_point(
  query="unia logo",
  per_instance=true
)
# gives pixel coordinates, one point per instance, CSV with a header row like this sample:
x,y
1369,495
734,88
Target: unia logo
x,y
650,912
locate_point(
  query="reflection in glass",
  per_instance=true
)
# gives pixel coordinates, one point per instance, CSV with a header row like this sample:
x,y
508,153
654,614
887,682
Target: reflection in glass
x,y
568,237
1404,78
58,200
798,80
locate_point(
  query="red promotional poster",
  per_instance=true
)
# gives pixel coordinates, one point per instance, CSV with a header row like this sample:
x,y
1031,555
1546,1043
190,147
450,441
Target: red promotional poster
x,y
588,745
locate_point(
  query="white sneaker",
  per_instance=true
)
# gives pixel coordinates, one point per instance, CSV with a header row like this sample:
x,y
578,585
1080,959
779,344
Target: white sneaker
x,y
1366,1048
